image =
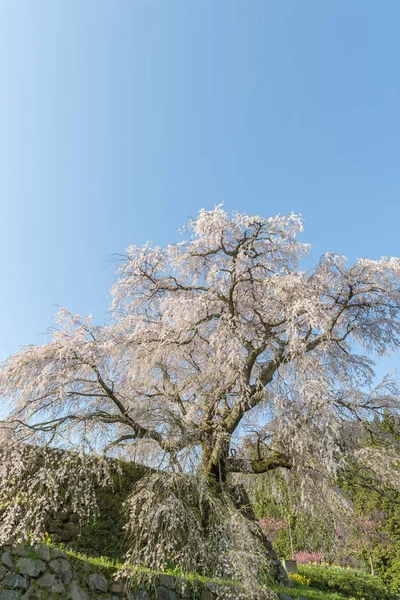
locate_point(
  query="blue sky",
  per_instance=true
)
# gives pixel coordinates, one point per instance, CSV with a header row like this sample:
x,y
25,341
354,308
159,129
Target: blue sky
x,y
118,120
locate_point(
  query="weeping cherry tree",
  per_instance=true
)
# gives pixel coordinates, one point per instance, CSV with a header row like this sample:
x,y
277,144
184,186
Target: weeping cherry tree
x,y
220,356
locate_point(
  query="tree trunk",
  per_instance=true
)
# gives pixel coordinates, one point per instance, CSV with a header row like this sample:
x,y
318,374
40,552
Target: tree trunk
x,y
215,456
215,466
243,505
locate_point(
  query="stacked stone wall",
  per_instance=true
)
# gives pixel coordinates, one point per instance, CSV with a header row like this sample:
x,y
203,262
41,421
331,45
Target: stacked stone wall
x,y
104,536
46,573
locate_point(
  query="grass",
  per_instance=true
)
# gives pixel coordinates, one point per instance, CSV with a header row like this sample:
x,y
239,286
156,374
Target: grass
x,y
325,582
348,582
114,565
310,593
336,583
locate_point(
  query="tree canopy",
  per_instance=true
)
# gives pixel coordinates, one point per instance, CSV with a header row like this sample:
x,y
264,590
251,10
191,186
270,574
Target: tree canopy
x,y
220,355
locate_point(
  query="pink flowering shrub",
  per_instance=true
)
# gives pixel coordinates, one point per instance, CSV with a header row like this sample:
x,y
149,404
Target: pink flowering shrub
x,y
271,527
304,557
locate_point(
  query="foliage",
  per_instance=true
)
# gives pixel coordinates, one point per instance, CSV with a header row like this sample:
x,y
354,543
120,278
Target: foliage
x,y
336,583
348,582
308,530
366,534
380,510
314,594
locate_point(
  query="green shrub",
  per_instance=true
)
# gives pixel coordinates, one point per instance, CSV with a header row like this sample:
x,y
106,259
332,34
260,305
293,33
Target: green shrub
x,y
348,582
391,574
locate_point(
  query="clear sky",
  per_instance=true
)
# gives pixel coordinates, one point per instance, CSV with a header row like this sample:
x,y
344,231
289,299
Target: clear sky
x,y
119,119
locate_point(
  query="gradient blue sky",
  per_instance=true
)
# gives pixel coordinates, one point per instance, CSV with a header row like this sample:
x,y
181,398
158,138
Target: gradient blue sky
x,y
119,119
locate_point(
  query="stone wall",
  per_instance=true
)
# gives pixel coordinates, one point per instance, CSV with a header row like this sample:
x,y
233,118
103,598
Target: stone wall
x,y
104,536
46,573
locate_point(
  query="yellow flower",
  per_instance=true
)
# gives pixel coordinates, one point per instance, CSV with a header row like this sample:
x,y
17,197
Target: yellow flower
x,y
300,578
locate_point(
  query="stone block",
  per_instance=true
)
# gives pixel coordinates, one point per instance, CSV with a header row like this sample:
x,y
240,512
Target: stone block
x,y
139,595
32,593
167,581
76,592
47,580
98,583
7,560
14,580
10,595
62,568
43,552
58,588
31,567
162,593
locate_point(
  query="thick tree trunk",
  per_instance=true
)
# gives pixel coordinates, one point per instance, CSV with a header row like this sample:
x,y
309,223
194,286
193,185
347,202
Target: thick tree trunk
x,y
215,456
243,504
216,465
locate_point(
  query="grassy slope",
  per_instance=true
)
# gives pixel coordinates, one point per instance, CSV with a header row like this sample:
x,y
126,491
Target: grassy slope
x,y
331,583
327,583
297,592
311,593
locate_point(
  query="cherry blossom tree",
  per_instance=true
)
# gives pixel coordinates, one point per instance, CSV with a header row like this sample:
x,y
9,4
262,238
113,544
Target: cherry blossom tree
x,y
366,532
221,355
